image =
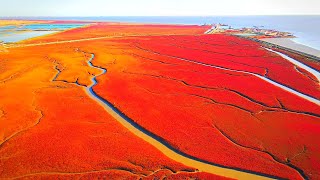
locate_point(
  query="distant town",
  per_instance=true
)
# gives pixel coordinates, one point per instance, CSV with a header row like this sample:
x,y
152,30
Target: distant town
x,y
256,32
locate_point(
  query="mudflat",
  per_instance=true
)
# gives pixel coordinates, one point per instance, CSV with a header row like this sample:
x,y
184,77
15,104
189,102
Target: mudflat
x,y
114,100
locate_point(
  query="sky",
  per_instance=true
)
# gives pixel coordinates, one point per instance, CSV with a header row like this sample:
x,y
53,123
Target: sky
x,y
157,7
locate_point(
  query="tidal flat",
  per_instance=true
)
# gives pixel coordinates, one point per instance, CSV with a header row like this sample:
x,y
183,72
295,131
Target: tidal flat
x,y
126,100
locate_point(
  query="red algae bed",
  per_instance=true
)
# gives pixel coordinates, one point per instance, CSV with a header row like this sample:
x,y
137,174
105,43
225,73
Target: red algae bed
x,y
194,92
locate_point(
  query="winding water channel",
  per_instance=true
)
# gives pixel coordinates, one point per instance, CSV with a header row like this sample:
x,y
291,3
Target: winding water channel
x,y
163,146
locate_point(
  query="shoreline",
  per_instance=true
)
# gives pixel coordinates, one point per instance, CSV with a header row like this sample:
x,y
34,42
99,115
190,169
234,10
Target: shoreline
x,y
291,44
305,42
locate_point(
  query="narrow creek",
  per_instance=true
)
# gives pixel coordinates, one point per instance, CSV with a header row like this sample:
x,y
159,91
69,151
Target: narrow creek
x,y
163,146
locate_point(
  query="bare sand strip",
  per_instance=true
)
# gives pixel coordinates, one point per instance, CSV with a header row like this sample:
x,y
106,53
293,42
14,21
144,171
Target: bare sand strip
x,y
289,43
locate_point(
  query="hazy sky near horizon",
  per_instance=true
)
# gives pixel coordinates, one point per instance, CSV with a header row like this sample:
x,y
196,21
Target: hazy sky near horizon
x,y
157,8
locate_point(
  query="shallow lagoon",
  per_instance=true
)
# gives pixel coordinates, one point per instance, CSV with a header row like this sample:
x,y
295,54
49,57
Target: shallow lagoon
x,y
11,34
60,27
51,26
19,36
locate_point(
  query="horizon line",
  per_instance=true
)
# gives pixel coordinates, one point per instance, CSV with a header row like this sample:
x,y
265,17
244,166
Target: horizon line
x,y
169,15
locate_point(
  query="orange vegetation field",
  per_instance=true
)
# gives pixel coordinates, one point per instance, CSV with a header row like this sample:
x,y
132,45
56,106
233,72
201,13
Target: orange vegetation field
x,y
194,92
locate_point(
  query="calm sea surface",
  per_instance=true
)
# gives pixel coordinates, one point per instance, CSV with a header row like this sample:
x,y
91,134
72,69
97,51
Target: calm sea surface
x,y
306,28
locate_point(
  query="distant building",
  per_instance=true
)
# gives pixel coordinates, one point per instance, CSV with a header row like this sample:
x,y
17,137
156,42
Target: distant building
x,y
218,28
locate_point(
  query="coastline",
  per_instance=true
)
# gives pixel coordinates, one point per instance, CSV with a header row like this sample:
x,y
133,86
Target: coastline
x,y
289,43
